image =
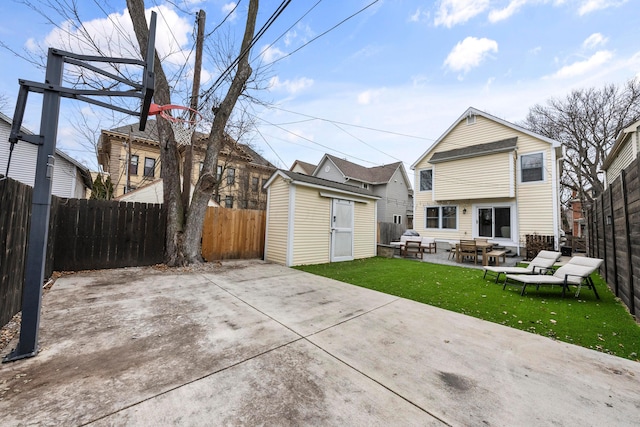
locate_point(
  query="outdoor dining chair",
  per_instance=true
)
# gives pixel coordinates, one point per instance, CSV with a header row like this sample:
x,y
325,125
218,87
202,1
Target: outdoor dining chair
x,y
541,264
468,249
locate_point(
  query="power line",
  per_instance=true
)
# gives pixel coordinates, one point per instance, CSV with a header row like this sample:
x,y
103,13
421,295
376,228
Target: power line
x,y
326,32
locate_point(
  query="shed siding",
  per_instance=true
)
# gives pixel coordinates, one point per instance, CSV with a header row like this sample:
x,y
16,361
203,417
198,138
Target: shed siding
x,y
624,158
312,224
278,222
364,230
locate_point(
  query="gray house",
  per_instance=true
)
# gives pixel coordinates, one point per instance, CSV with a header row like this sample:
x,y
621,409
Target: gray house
x,y
70,178
389,182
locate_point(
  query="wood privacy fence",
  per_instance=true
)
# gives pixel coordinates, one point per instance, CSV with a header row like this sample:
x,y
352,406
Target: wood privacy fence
x,y
613,234
389,232
99,234
233,234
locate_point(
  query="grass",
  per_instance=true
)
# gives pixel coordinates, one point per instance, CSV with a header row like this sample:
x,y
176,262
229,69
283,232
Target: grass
x,y
604,325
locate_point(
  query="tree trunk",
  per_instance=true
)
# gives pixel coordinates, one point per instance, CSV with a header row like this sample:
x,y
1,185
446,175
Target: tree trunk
x,y
206,184
169,156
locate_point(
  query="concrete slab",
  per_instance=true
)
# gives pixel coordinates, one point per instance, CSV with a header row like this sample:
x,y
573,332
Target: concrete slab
x,y
249,343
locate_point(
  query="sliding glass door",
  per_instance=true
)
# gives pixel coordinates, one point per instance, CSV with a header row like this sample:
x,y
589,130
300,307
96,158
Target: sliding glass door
x,y
494,222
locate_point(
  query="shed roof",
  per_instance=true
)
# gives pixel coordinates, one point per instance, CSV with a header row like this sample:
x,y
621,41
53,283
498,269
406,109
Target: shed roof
x,y
314,181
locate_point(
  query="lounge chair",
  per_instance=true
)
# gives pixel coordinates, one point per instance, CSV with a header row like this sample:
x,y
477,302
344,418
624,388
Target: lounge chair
x,y
541,264
577,272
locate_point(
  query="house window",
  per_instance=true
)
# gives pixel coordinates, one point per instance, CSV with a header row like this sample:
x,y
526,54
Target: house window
x,y
494,222
228,202
426,180
264,182
231,176
219,173
471,119
133,165
366,187
441,217
149,166
397,219
200,166
255,184
532,167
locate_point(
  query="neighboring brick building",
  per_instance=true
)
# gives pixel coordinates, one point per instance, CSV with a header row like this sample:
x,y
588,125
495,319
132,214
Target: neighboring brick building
x,y
241,170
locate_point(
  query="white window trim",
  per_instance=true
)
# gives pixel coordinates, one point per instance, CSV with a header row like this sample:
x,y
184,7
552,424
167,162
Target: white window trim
x,y
399,217
544,168
439,228
432,180
514,221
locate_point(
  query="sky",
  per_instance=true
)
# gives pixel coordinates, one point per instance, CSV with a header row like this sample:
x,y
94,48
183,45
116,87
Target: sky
x,y
374,82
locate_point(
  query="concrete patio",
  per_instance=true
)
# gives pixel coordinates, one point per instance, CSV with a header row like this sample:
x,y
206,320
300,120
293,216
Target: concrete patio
x,y
250,343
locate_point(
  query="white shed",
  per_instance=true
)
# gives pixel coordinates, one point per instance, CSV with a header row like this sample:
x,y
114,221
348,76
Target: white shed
x,y
311,220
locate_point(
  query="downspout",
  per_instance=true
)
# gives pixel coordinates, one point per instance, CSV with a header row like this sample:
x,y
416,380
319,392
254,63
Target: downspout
x,y
555,198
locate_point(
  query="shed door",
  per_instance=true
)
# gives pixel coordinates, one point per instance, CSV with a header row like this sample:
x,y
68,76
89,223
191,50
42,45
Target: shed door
x,y
341,230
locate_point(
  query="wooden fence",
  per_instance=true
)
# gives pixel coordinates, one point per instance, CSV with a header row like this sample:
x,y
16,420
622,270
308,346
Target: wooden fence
x,y
233,234
613,234
389,232
98,234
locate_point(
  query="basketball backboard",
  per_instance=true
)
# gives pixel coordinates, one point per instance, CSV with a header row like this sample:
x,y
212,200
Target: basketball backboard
x,y
148,77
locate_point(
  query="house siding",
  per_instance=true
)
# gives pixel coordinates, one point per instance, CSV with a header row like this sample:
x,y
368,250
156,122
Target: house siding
x,y
312,225
394,198
333,175
625,156
278,222
364,230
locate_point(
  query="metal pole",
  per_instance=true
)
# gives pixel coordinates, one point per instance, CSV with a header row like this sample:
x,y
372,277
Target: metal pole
x,y
40,210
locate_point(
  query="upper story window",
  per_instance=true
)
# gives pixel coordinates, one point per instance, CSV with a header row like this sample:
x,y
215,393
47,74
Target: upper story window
x,y
365,185
133,165
231,176
531,166
149,166
471,119
397,219
426,180
219,173
255,184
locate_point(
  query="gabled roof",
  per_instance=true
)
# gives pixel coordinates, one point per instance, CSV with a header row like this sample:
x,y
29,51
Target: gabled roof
x,y
314,181
475,112
84,171
475,150
307,167
619,143
374,175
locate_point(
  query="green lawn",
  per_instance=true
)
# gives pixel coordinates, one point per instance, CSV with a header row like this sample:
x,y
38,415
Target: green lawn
x,y
604,325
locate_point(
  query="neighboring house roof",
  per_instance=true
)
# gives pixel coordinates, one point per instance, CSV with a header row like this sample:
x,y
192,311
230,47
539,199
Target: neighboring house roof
x,y
151,135
308,168
623,136
374,175
475,112
475,150
85,174
313,181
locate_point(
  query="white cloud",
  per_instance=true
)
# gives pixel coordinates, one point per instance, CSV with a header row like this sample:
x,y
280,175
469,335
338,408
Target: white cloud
x,y
594,40
271,53
582,67
452,12
419,16
589,6
469,53
513,7
290,86
227,8
368,97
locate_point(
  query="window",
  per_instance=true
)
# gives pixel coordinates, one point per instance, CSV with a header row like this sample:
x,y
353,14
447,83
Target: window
x,y
366,187
531,165
231,176
471,119
228,202
149,166
200,166
426,180
133,165
397,219
219,173
441,217
264,182
255,184
494,222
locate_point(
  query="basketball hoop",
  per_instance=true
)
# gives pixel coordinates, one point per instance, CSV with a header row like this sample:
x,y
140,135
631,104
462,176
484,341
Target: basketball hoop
x,y
183,127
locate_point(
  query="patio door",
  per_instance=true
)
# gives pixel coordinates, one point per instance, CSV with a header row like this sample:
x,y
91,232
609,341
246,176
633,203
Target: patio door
x,y
494,222
341,230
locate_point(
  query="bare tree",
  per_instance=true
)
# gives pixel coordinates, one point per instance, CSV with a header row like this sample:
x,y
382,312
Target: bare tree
x,y
184,229
4,103
586,122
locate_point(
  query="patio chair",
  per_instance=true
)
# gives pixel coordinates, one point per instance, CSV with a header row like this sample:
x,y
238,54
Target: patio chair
x,y
468,249
410,245
428,244
577,272
541,264
453,251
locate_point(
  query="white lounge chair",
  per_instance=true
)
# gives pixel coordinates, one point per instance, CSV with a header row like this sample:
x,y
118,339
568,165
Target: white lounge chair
x,y
541,264
577,272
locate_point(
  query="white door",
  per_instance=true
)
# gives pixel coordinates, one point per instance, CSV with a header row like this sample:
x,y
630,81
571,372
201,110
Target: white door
x,y
341,230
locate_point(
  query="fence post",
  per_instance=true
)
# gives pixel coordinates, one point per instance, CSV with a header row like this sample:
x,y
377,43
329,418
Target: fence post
x,y
627,232
604,239
613,239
